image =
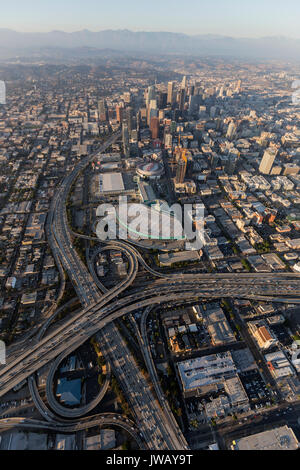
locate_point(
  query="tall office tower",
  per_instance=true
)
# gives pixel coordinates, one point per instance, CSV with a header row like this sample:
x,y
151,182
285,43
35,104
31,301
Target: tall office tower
x,y
268,160
161,114
194,104
181,168
232,162
214,160
138,121
152,111
231,131
151,94
173,127
154,127
191,90
119,113
168,141
128,117
170,97
238,86
184,83
102,110
181,99
189,165
162,100
125,139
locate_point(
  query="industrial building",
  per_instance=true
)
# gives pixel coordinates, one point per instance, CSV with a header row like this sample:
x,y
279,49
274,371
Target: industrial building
x,y
236,394
282,438
217,325
111,183
106,440
279,365
203,375
168,259
69,391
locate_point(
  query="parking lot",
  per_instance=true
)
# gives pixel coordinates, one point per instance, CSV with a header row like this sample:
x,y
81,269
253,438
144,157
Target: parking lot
x,y
255,388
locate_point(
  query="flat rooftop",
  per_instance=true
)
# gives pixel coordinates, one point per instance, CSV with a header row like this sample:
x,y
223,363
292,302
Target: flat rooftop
x,y
111,182
207,370
282,438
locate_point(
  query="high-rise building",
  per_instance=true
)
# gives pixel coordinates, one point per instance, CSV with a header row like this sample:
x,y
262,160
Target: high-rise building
x,y
152,111
128,117
151,94
154,127
268,160
168,141
181,100
181,168
119,113
238,86
194,104
191,90
162,100
125,139
102,110
184,83
231,131
170,97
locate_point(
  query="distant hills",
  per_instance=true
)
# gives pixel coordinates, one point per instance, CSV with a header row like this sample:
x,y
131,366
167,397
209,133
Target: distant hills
x,y
14,43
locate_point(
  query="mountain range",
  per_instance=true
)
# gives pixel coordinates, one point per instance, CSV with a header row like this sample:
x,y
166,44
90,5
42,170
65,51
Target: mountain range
x,y
13,43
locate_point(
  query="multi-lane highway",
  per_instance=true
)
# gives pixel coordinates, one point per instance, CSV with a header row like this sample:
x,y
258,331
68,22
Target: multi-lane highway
x,y
102,307
88,293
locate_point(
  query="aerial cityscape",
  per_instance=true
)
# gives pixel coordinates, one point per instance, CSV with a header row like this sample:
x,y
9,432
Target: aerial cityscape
x,y
149,239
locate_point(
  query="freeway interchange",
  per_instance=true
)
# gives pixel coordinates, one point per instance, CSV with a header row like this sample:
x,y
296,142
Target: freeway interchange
x,y
100,308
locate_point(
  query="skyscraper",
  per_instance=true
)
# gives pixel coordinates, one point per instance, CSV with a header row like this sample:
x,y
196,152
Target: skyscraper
x,y
102,110
162,100
184,83
128,117
231,130
152,111
268,160
170,93
181,99
154,127
119,113
238,86
125,139
181,168
151,94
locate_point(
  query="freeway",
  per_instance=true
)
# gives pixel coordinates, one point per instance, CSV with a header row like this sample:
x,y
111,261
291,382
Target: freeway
x,y
99,311
89,294
77,332
102,420
147,355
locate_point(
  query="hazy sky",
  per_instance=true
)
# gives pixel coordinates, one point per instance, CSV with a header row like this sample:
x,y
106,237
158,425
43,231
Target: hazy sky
x,y
244,18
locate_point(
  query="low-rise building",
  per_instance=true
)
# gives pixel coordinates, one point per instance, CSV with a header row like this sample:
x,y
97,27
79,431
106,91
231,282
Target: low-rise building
x,y
264,337
282,438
